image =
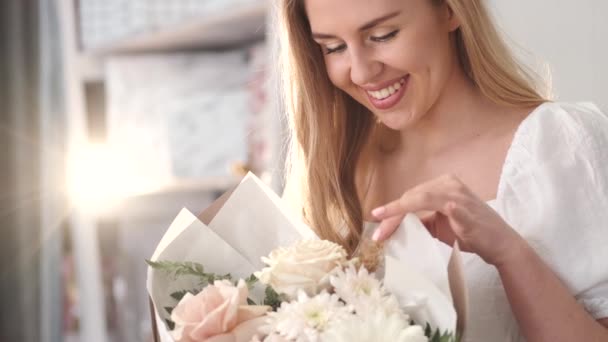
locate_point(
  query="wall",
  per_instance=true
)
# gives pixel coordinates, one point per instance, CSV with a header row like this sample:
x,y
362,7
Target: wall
x,y
571,37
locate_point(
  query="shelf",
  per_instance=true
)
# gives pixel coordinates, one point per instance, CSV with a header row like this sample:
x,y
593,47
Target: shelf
x,y
246,23
229,27
91,68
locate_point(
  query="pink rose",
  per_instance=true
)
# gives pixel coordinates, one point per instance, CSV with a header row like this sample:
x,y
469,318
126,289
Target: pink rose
x,y
219,313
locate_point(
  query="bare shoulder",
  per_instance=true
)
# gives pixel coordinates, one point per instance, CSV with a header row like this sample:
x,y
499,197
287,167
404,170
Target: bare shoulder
x,y
515,116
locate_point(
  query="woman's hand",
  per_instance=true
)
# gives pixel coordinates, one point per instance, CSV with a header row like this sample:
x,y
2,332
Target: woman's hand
x,y
456,214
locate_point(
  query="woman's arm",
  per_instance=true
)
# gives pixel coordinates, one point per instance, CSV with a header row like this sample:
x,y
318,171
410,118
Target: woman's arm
x,y
543,306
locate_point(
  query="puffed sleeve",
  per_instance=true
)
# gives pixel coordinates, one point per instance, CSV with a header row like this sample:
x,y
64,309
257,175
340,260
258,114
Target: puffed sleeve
x,y
554,191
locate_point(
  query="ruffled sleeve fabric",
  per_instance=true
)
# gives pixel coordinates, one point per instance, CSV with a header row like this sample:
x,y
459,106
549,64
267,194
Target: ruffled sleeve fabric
x,y
554,191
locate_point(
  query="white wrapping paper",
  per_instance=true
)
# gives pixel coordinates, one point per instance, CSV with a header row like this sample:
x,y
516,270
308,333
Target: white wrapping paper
x,y
424,282
251,221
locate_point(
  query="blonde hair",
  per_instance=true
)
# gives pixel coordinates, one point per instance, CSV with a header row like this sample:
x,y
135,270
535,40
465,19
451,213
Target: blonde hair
x,y
330,129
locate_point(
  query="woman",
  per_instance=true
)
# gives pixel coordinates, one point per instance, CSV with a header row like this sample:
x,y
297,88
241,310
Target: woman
x,y
418,106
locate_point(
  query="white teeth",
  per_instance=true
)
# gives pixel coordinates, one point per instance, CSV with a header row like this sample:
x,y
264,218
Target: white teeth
x,y
386,92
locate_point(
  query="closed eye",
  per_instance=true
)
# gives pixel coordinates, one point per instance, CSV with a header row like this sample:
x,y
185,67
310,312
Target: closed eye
x,y
380,39
338,48
384,38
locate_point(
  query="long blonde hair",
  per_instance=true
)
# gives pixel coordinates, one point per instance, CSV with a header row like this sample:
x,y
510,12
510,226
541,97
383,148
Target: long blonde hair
x,y
330,129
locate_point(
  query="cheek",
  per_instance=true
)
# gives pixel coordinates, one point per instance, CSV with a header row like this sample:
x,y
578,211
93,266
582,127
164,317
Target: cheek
x,y
338,74
416,55
419,46
426,56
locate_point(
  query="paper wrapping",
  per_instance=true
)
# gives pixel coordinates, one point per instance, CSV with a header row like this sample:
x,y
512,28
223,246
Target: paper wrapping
x,y
427,285
251,221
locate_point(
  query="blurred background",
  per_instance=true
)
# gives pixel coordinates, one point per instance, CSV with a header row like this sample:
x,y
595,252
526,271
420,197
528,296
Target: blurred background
x,y
115,114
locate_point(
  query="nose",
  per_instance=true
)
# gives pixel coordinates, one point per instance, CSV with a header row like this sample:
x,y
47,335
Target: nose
x,y
364,66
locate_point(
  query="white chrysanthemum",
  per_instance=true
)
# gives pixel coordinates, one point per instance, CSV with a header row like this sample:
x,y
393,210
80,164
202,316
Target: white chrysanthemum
x,y
364,292
351,285
388,305
306,318
377,327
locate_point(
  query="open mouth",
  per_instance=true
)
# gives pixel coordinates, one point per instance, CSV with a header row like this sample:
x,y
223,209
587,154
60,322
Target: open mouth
x,y
387,97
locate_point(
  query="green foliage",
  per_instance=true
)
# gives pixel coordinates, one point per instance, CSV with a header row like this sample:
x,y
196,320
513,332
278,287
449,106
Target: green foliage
x,y
272,298
251,281
437,336
177,269
170,324
178,295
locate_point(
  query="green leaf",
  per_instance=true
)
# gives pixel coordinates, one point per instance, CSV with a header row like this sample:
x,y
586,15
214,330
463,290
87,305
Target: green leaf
x,y
177,269
427,330
272,298
170,324
178,295
438,336
251,281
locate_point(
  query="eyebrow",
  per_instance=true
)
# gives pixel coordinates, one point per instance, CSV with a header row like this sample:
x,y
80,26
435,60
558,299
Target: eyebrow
x,y
366,26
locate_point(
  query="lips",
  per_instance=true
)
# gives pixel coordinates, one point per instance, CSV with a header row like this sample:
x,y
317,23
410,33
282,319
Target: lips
x,y
389,94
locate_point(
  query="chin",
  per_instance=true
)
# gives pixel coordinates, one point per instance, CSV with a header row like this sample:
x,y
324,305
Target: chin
x,y
397,120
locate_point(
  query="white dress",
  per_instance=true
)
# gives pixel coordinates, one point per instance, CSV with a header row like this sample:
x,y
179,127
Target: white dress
x,y
554,191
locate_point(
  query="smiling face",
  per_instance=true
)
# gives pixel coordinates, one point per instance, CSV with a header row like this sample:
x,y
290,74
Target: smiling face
x,y
393,56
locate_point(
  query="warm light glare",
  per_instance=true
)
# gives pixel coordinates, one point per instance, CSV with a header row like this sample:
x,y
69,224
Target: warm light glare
x,y
101,177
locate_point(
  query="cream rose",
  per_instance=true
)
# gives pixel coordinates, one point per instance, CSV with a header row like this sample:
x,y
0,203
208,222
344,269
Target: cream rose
x,y
303,266
218,313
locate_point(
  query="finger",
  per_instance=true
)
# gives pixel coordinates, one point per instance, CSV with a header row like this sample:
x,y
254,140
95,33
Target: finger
x,y
424,199
431,195
387,227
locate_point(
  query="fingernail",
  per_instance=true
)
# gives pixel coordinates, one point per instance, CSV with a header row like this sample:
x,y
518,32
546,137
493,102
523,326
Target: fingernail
x,y
378,211
376,235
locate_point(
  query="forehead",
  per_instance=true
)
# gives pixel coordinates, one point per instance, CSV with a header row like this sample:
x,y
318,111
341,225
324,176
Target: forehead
x,y
328,15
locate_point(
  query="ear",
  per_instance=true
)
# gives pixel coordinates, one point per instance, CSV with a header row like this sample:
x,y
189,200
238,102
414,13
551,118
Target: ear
x,y
452,21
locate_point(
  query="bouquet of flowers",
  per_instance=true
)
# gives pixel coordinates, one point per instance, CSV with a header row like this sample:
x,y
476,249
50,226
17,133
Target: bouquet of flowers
x,y
245,271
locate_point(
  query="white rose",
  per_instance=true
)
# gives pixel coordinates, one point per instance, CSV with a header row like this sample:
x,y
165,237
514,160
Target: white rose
x,y
305,266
